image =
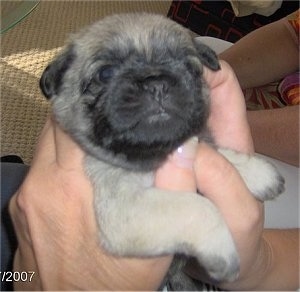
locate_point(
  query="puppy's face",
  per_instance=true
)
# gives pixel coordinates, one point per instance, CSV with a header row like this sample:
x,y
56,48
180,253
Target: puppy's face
x,y
129,88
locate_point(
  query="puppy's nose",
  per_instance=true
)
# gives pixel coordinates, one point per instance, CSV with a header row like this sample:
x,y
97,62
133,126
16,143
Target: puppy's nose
x,y
157,86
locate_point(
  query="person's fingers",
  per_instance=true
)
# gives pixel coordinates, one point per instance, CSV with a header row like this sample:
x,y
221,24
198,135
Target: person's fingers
x,y
177,172
228,119
221,183
69,155
56,147
45,148
216,78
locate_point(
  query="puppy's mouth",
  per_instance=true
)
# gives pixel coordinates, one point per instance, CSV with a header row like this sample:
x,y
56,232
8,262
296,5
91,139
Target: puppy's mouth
x,y
157,113
159,117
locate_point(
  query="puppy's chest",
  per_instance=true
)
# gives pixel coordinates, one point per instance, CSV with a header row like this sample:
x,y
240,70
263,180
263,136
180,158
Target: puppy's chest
x,y
110,180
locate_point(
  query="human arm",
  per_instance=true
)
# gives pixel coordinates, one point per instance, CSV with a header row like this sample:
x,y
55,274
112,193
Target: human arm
x,y
265,55
275,133
283,269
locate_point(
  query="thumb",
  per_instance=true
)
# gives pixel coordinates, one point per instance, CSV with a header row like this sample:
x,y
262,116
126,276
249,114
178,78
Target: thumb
x,y
177,172
219,181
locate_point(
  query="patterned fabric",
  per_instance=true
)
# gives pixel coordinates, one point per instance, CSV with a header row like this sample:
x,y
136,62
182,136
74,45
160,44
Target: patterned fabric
x,y
264,97
293,20
289,89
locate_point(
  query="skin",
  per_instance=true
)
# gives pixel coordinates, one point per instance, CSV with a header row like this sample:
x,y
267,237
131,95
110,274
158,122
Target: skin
x,y
255,57
276,137
263,56
56,228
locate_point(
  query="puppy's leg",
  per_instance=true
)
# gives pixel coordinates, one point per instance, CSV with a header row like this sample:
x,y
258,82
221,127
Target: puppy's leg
x,y
156,222
260,176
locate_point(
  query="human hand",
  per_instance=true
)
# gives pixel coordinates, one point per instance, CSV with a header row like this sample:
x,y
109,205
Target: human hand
x,y
228,118
206,172
57,231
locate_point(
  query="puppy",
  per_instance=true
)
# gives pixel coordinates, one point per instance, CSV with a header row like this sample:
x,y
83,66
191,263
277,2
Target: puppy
x,y
129,89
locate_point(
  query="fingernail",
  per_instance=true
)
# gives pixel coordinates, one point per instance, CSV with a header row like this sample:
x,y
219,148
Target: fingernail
x,y
184,155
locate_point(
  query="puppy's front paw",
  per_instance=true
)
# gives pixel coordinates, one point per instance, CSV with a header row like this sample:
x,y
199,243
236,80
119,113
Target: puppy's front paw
x,y
219,257
261,177
222,269
274,185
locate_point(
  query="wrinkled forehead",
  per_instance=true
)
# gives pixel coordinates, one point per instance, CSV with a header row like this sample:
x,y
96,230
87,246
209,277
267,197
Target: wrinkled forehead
x,y
150,36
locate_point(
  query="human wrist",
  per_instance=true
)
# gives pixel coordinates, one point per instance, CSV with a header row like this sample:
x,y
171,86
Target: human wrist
x,y
253,277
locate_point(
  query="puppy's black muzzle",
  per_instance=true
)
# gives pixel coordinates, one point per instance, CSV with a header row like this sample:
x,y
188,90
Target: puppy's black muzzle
x,y
158,86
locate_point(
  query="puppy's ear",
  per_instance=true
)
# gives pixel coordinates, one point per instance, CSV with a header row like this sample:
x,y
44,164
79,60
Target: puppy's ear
x,y
51,79
207,56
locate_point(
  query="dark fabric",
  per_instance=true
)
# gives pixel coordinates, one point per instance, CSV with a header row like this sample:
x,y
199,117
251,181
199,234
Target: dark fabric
x,y
12,159
217,19
177,280
12,175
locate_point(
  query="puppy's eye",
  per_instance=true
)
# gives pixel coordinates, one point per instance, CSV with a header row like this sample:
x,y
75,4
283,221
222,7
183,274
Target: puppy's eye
x,y
105,73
